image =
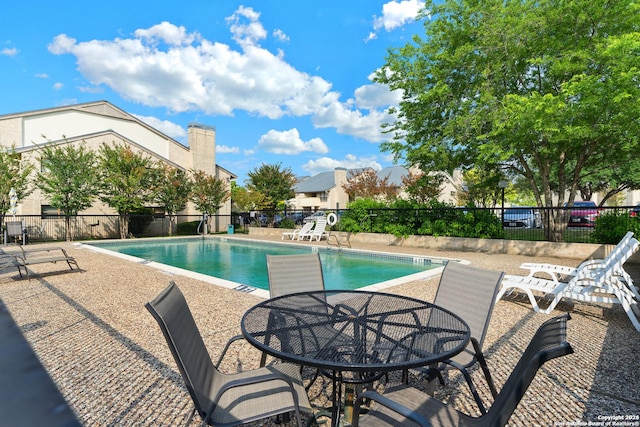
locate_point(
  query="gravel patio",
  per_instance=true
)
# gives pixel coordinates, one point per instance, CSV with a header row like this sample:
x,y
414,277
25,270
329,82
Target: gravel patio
x,y
106,354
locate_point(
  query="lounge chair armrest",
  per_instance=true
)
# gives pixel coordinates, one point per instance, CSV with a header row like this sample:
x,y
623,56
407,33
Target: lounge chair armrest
x,y
384,401
226,348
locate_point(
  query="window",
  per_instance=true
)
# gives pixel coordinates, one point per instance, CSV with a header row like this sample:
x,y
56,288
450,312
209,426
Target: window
x,y
47,211
158,212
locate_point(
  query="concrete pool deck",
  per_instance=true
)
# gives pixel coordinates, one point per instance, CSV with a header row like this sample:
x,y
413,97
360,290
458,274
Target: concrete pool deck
x,y
106,354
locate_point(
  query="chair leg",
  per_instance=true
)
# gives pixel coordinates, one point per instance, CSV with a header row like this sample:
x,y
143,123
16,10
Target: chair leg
x,y
474,392
193,412
487,374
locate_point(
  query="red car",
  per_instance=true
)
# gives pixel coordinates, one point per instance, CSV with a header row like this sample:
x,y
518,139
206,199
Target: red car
x,y
583,214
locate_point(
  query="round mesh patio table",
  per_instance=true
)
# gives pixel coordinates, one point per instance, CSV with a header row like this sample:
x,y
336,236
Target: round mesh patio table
x,y
354,336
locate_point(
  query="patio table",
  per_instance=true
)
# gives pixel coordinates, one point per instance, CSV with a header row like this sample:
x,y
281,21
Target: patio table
x,y
354,336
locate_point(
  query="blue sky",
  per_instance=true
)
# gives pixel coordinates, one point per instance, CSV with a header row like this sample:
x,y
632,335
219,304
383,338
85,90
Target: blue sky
x,y
283,82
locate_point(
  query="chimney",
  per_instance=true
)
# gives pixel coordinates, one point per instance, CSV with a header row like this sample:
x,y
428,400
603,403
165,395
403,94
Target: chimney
x,y
202,143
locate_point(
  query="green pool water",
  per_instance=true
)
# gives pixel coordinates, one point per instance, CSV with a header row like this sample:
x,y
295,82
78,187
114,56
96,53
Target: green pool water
x,y
244,262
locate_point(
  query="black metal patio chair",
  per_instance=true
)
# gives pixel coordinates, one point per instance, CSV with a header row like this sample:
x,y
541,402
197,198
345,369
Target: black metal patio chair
x,y
407,406
224,399
469,292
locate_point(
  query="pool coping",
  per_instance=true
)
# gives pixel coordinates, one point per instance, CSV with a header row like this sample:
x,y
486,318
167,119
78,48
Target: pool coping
x,y
177,271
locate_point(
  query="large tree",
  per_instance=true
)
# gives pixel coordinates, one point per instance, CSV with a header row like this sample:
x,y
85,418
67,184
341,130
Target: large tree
x,y
209,193
173,191
14,173
542,90
245,200
274,182
129,180
69,177
365,184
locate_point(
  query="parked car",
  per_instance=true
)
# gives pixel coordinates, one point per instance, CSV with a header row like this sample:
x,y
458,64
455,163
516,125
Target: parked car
x,y
296,217
262,220
583,214
521,217
635,212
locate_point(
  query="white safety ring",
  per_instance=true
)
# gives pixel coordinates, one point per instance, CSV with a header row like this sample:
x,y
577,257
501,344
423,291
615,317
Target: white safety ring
x,y
332,219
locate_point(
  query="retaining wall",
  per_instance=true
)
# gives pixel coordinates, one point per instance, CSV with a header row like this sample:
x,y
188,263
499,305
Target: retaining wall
x,y
579,251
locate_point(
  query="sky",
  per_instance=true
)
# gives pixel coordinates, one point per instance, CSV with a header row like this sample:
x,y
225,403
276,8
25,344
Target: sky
x,y
283,82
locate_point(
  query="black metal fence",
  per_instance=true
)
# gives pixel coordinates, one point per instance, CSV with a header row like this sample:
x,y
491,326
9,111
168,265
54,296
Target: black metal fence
x,y
515,223
576,225
43,228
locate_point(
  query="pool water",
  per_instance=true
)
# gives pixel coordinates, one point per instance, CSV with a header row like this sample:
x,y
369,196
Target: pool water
x,y
244,262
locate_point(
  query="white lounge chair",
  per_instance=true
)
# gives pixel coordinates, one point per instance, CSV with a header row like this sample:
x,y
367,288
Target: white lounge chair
x,y
319,230
620,253
603,284
558,272
308,232
306,228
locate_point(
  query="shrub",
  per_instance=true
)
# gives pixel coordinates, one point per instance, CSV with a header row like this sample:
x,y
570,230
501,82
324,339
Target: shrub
x,y
287,223
139,220
188,228
611,227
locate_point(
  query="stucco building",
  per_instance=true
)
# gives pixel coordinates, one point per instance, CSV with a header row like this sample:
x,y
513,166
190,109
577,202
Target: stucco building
x,y
325,190
101,122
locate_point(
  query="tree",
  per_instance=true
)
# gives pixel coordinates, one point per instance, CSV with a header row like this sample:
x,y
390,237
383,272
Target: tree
x,y
538,89
14,173
69,178
274,183
129,180
245,200
208,193
173,192
482,188
422,187
365,184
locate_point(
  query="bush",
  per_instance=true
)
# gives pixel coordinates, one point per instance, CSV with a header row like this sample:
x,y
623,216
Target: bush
x,y
188,228
611,227
403,218
139,220
287,223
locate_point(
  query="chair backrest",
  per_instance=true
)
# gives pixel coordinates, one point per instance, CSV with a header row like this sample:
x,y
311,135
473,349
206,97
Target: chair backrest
x,y
470,293
14,228
321,225
294,273
622,252
172,313
306,227
549,342
610,266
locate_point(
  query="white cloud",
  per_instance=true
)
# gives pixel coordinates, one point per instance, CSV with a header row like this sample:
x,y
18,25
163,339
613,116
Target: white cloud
x,y
246,33
166,66
42,76
225,149
9,51
280,35
352,122
325,164
58,86
167,33
289,142
376,95
396,14
171,129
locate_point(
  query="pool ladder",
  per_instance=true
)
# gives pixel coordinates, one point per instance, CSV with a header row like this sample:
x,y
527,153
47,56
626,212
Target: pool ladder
x,y
340,239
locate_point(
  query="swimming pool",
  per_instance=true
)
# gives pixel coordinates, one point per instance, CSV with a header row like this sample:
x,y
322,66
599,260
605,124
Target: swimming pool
x,y
243,262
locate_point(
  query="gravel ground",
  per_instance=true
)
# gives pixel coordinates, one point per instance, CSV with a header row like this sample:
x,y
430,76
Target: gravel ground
x,y
109,359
